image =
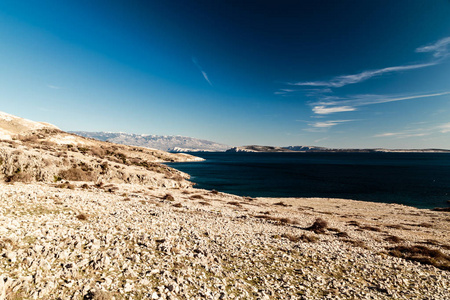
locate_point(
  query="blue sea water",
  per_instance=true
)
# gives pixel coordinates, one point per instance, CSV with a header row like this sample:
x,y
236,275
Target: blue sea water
x,y
416,179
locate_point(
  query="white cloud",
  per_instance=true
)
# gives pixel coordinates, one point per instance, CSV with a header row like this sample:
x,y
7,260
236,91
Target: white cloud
x,y
417,132
331,105
444,128
323,110
440,48
340,81
328,124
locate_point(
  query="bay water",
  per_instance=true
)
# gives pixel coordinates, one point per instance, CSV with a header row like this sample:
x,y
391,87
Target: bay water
x,y
416,179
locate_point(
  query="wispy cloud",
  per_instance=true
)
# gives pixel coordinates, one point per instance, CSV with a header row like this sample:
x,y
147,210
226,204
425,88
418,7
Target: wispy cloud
x,y
439,48
328,124
334,104
342,80
194,60
416,132
54,87
323,110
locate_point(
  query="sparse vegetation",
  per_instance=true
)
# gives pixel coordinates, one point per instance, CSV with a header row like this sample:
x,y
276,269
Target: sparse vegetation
x,y
168,197
319,226
393,239
281,203
76,174
82,217
423,255
446,209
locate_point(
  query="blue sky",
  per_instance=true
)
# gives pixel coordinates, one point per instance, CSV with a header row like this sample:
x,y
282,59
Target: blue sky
x,y
327,73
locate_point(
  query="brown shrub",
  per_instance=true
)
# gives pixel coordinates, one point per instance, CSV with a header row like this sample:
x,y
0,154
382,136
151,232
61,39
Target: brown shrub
x,y
76,174
168,197
204,203
66,185
442,209
193,197
319,226
308,238
19,176
281,203
291,237
357,243
177,205
423,255
393,239
371,228
342,234
214,192
426,225
235,203
82,217
353,223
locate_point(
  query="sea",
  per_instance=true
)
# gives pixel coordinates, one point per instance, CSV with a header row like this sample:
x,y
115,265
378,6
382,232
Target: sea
x,y
415,179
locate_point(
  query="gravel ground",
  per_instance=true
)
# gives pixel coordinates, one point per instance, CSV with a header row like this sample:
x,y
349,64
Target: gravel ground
x,y
139,243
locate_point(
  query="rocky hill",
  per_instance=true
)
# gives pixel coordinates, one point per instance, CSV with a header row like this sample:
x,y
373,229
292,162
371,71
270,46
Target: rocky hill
x,y
165,143
32,151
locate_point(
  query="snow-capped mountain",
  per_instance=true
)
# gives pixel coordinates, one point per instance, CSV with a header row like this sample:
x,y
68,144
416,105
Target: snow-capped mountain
x,y
162,142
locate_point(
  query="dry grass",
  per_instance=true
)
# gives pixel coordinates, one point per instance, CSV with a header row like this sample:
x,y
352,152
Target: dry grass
x,y
319,226
65,185
235,203
356,243
423,255
291,237
281,203
371,228
447,209
204,203
393,239
77,174
277,219
308,238
168,197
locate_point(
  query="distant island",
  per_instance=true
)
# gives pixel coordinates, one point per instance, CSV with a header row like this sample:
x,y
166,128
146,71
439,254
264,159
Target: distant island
x,y
256,148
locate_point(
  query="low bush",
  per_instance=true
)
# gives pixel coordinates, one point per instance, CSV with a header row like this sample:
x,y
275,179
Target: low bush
x,y
76,174
423,255
393,239
319,226
168,197
82,217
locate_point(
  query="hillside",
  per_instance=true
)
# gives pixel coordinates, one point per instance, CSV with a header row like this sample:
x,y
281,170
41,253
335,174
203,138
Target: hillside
x,y
32,151
165,143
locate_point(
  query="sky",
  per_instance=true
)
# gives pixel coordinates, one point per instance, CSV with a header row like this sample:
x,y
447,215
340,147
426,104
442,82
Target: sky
x,y
341,74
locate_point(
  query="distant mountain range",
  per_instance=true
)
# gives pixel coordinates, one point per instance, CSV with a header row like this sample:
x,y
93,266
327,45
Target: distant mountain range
x,y
167,143
177,143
